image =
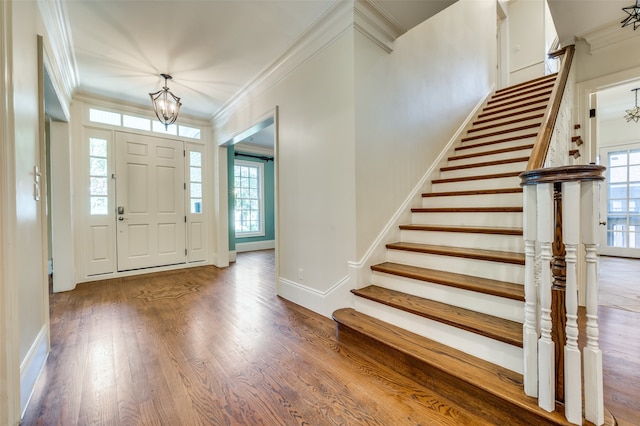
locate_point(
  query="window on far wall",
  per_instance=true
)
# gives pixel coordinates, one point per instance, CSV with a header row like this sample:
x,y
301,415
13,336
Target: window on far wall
x,y
249,207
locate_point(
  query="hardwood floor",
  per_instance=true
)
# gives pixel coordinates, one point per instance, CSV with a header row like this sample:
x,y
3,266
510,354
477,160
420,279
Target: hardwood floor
x,y
206,346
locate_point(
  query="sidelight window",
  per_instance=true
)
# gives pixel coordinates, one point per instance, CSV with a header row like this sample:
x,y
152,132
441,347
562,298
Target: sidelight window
x,y
249,207
98,177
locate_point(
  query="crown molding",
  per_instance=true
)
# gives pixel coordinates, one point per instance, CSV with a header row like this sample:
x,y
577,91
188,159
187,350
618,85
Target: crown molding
x,y
608,35
377,25
60,53
322,33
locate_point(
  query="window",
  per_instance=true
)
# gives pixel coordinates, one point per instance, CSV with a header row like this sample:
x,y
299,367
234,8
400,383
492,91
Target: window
x,y
139,123
248,186
195,181
623,210
98,177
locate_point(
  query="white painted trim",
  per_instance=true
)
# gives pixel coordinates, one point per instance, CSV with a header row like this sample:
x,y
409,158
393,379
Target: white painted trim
x,y
608,35
9,333
312,298
136,272
255,245
322,33
376,25
32,366
232,255
58,36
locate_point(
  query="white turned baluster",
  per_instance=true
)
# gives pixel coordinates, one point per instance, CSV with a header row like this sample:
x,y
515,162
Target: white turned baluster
x,y
593,388
546,357
530,326
572,365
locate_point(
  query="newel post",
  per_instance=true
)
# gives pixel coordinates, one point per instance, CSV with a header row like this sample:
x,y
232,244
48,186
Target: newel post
x,y
530,326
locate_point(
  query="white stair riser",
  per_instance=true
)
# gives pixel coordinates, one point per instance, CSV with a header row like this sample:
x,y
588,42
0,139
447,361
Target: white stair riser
x,y
484,170
524,152
502,124
484,303
515,101
513,112
479,200
512,243
469,185
507,220
494,146
460,265
490,350
488,136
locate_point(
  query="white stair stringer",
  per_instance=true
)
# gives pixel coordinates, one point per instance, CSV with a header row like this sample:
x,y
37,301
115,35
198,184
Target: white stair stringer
x,y
499,271
497,306
503,354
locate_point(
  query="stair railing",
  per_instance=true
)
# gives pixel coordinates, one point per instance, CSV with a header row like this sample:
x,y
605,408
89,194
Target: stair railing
x,y
560,215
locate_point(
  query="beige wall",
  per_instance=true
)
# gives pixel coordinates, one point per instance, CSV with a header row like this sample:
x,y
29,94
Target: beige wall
x,y
526,40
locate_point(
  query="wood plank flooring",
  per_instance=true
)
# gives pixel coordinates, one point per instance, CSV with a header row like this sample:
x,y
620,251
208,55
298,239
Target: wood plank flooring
x,y
207,346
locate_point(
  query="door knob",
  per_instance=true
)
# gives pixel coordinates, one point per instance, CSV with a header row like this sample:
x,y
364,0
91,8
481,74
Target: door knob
x,y
603,223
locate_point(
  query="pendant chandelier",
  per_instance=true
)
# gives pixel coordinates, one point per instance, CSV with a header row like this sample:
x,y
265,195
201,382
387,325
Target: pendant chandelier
x,y
166,105
634,113
634,15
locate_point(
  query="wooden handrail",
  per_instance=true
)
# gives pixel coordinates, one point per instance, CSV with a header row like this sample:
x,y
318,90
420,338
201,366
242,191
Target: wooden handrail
x,y
579,172
541,145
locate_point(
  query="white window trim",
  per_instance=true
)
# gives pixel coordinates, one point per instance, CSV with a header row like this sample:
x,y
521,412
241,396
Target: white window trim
x,y
260,167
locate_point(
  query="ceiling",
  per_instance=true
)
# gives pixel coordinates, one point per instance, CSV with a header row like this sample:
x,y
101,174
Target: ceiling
x,y
211,48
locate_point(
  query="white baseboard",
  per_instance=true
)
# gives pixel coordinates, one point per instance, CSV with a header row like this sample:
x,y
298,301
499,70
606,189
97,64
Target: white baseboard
x,y
255,245
32,365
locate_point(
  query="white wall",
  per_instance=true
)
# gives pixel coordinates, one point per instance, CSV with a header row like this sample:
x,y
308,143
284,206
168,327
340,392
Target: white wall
x,y
315,169
526,40
29,249
411,102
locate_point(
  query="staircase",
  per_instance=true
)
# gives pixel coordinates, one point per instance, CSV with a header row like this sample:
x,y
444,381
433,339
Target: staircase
x,y
447,306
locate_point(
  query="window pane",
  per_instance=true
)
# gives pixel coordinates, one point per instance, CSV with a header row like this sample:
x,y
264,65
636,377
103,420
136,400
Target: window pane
x,y
634,190
634,206
634,156
98,166
97,147
195,174
189,132
617,206
618,174
634,239
196,190
159,128
136,122
619,190
634,173
98,186
616,239
195,159
617,158
104,117
99,205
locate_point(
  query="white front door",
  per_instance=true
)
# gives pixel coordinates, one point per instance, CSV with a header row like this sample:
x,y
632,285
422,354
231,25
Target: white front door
x,y
150,217
620,199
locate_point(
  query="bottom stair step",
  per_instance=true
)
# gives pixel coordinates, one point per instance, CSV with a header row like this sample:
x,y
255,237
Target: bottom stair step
x,y
490,391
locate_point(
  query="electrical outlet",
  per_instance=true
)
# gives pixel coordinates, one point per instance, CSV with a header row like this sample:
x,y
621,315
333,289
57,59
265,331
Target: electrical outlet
x,y
300,274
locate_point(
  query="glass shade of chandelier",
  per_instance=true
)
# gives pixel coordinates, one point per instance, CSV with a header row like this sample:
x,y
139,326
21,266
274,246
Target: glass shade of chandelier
x,y
166,105
634,15
633,113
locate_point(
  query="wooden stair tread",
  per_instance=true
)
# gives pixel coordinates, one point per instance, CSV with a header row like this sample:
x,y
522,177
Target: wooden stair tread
x,y
504,123
499,103
493,209
492,152
487,377
495,141
497,109
500,329
464,229
507,114
477,177
485,164
441,366
501,132
532,82
472,192
468,253
452,279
